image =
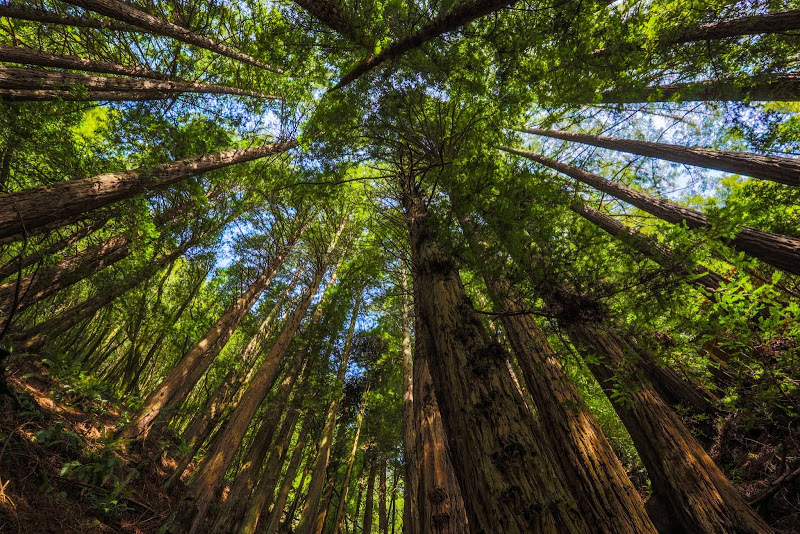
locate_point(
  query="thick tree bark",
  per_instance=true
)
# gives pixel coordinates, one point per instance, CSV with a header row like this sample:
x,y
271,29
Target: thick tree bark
x,y
32,339
309,520
440,504
330,13
234,508
15,265
461,15
40,58
123,12
26,210
23,83
774,168
288,479
605,493
779,88
701,498
780,251
42,283
338,523
649,247
177,385
515,484
46,17
410,460
211,472
368,506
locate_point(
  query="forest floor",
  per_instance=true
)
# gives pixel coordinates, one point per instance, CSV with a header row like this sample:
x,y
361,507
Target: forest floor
x,y
61,471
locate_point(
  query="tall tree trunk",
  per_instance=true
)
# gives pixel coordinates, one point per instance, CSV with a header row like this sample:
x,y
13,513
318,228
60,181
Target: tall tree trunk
x,y
18,295
21,83
774,168
177,385
780,251
286,526
383,519
288,479
515,485
41,58
123,12
410,460
46,17
461,15
700,497
211,471
308,520
373,464
773,88
338,523
649,247
23,211
235,507
593,471
17,264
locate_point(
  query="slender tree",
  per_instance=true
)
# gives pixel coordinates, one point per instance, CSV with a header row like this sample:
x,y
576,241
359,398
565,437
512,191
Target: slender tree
x,y
774,88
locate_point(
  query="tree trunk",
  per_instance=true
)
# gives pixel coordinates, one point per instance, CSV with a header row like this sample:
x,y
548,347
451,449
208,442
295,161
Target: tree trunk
x,y
211,471
21,83
177,385
373,464
765,23
461,15
234,508
46,17
265,488
606,495
123,12
701,498
18,295
348,474
383,519
649,247
775,88
308,520
288,479
774,168
40,58
410,460
26,210
17,264
514,483
780,251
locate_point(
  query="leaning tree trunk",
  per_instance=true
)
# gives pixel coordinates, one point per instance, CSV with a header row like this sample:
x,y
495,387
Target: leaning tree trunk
x,y
774,88
274,517
341,509
373,464
41,58
47,17
459,16
329,13
18,295
23,211
234,508
774,168
20,84
515,485
383,520
592,469
177,385
308,520
123,12
700,497
780,251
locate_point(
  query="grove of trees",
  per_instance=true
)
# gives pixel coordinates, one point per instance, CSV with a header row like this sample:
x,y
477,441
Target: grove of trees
x,y
434,266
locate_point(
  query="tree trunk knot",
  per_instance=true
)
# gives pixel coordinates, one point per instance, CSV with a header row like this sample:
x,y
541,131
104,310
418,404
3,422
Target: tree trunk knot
x,y
510,454
440,520
437,495
572,308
